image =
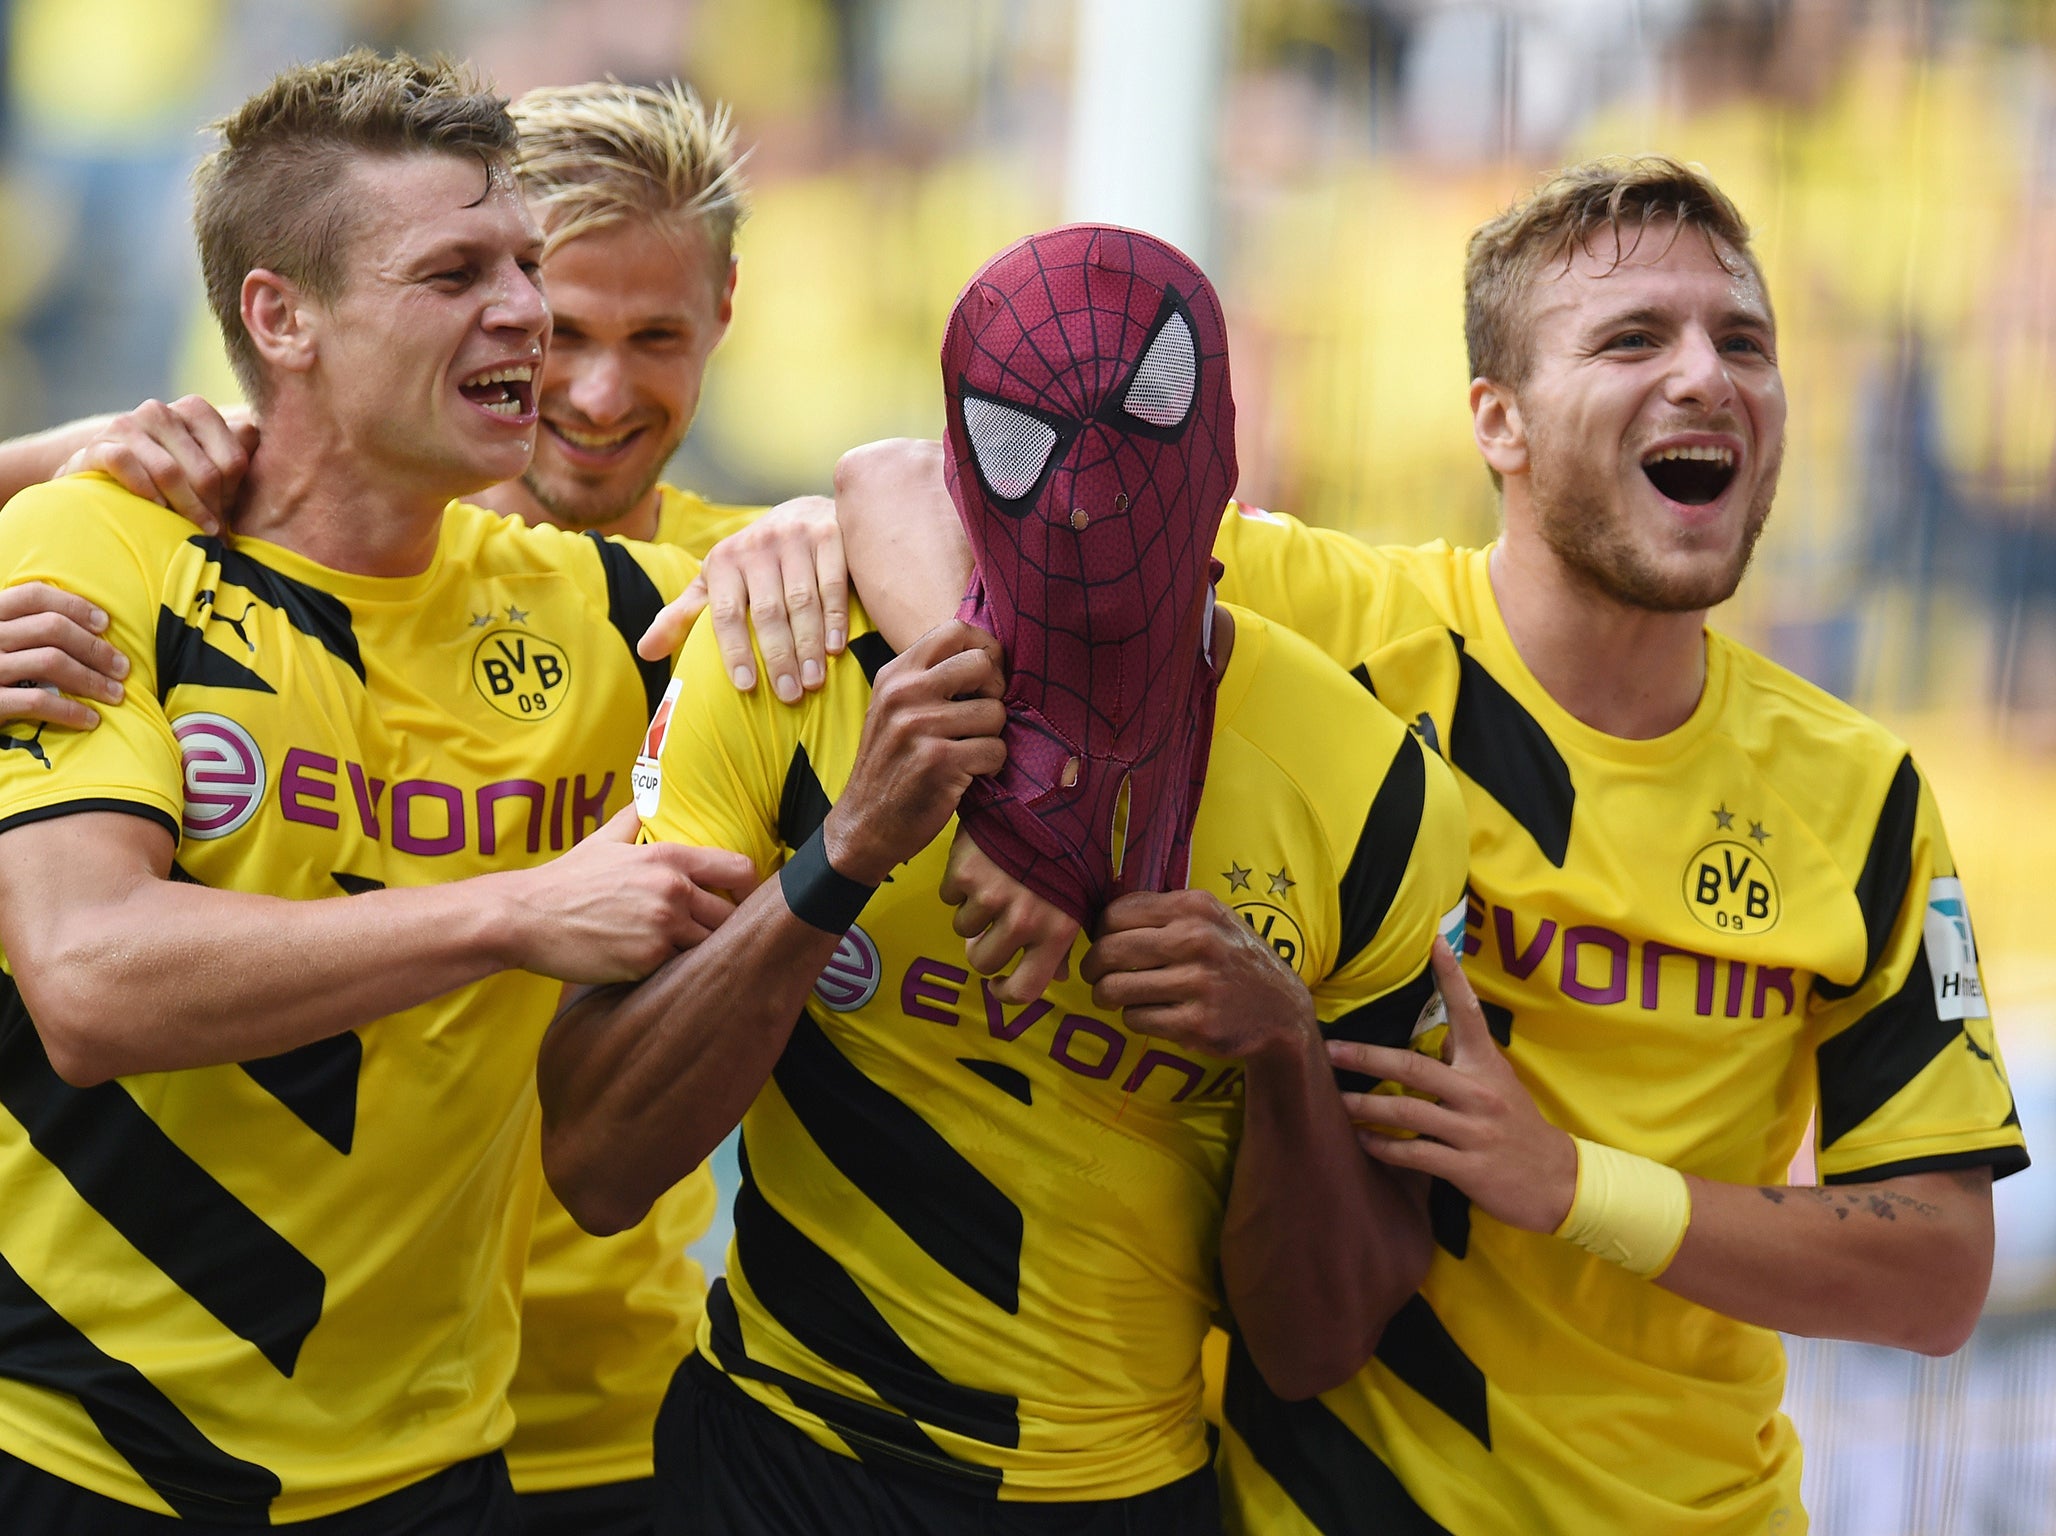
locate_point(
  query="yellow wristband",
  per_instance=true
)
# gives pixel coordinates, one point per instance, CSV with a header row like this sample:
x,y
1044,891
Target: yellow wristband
x,y
1627,1209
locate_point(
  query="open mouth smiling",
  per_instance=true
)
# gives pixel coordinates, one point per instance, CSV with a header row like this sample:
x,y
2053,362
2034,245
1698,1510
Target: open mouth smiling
x,y
508,391
1692,476
593,444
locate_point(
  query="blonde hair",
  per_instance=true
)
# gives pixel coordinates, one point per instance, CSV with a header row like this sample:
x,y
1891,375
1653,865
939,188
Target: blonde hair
x,y
274,194
1564,215
594,155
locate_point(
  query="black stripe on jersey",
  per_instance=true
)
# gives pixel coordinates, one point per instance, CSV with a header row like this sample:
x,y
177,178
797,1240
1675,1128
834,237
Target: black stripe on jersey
x,y
632,601
184,656
1008,1080
1498,1021
355,885
813,1298
1383,850
318,1082
2003,1161
1417,1349
1866,1064
313,612
1449,1217
802,804
169,1208
904,1166
82,807
1337,1481
1887,871
1387,1020
188,1471
872,651
873,1433
1503,750
1362,674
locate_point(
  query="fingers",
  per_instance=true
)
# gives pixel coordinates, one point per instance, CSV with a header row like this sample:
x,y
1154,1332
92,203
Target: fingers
x,y
33,597
1409,1069
183,456
1152,909
831,575
668,629
1420,1154
1043,962
720,869
624,826
44,704
51,636
769,600
1402,1112
956,638
1469,1035
728,605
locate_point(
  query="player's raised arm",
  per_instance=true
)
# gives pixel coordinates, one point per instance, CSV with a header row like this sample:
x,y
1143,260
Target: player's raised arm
x,y
907,553
640,1083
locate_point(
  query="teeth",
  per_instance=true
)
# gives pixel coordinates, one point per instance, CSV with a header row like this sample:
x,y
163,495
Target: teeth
x,y
593,440
502,407
520,373
1722,456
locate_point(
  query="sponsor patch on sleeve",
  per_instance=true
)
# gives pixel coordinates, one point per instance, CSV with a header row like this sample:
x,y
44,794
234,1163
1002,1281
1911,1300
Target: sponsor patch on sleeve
x,y
1952,952
647,779
1434,1012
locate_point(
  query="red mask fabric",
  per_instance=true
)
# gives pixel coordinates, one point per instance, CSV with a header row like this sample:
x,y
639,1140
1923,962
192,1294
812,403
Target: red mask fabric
x,y
1091,453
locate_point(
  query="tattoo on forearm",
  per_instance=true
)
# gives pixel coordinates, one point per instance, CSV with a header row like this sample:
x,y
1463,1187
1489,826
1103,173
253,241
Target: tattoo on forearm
x,y
1884,1204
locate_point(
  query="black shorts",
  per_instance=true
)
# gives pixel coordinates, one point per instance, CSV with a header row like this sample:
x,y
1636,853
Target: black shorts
x,y
472,1498
727,1466
606,1509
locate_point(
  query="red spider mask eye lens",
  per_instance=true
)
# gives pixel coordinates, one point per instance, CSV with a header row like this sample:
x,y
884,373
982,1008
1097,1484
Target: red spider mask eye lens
x,y
1165,381
1012,447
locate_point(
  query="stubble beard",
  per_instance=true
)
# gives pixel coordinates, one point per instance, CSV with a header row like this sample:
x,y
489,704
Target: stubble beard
x,y
1593,542
587,511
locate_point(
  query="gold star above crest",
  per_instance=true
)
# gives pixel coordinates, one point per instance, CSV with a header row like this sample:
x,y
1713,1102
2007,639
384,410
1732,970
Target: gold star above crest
x,y
480,620
516,615
1724,818
1281,882
1237,877
1756,831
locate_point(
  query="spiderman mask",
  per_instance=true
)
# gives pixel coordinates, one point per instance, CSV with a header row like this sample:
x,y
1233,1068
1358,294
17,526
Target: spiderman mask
x,y
1091,453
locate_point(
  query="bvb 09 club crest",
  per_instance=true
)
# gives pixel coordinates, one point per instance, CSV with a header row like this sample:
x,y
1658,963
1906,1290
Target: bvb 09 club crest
x,y
522,675
1729,888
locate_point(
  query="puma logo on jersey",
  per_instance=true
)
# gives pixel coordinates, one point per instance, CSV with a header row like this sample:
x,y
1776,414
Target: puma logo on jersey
x,y
207,600
31,744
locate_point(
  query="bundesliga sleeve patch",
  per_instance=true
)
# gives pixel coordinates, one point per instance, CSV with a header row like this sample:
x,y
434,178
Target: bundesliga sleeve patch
x,y
647,779
1435,1012
1952,952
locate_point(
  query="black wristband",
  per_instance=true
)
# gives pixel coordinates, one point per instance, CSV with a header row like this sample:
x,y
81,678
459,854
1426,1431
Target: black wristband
x,y
819,894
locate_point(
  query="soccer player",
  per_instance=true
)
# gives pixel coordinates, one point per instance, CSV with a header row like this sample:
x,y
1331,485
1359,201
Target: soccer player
x,y
978,1242
1707,899
638,191
268,1163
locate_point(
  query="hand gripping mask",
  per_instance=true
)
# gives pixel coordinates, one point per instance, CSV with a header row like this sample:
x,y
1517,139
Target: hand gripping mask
x,y
1092,451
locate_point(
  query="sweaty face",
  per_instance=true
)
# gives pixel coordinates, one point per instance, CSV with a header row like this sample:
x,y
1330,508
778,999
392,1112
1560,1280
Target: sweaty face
x,y
639,309
428,357
1655,419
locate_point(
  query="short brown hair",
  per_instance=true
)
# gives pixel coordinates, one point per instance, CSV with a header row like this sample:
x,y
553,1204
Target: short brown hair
x,y
1562,216
271,195
594,155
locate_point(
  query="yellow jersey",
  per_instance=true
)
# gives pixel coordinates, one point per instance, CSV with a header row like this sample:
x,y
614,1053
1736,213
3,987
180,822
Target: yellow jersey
x,y
287,1287
1685,944
978,1242
605,1320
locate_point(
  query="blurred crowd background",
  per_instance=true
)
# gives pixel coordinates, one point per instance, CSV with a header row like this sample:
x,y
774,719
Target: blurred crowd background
x,y
1897,158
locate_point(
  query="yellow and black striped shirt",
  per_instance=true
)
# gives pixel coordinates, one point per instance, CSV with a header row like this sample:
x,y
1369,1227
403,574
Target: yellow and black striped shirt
x,y
1685,944
281,1288
978,1240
